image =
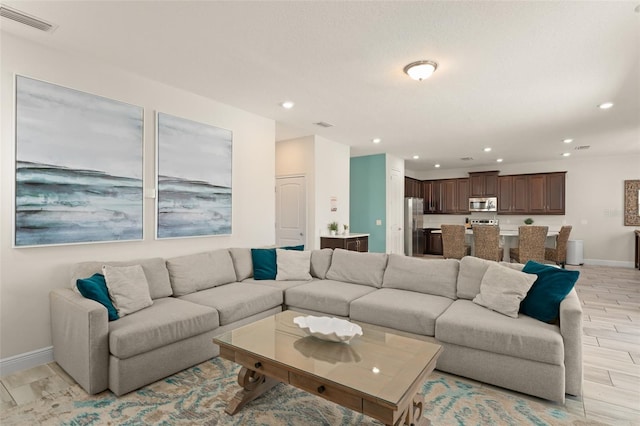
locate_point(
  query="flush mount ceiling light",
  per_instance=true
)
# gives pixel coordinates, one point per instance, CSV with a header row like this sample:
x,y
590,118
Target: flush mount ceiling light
x,y
420,70
605,105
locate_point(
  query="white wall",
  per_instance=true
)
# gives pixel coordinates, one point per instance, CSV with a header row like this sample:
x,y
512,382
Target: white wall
x,y
28,274
333,163
593,205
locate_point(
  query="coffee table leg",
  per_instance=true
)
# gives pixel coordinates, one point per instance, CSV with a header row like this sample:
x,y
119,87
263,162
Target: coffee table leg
x,y
411,415
253,385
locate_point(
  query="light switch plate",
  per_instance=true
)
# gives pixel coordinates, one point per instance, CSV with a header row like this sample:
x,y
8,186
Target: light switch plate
x,y
379,222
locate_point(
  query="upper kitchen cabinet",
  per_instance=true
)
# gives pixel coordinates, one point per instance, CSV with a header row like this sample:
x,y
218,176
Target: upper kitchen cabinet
x,y
483,184
412,187
462,194
455,196
432,190
541,193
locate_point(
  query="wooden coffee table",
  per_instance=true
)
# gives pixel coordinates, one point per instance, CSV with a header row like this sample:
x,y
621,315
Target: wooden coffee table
x,y
379,374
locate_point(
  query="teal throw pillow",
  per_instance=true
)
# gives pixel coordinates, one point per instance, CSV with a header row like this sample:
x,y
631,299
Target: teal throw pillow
x,y
95,288
264,262
542,302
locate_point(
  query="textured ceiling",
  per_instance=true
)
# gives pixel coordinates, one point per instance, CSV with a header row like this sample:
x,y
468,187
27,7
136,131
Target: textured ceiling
x,y
516,76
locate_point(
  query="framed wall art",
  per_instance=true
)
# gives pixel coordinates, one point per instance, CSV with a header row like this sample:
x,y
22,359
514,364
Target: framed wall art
x,y
78,166
632,202
193,178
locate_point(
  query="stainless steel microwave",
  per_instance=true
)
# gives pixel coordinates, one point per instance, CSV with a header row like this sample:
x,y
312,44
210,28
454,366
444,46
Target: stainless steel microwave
x,y
484,204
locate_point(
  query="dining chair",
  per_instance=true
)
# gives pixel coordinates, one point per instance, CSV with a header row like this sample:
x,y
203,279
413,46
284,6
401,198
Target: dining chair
x,y
486,242
531,241
558,254
453,246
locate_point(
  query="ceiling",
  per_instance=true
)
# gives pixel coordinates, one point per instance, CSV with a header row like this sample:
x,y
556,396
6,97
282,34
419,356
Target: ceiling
x,y
515,76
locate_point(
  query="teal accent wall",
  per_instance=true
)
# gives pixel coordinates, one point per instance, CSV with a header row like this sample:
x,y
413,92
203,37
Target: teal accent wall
x,y
368,199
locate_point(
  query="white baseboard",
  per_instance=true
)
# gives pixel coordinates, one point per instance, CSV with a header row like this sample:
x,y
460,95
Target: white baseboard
x,y
615,263
25,361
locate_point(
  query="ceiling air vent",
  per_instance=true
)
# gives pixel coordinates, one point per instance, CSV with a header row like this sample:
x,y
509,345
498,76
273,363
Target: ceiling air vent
x,y
582,147
323,124
25,19
466,158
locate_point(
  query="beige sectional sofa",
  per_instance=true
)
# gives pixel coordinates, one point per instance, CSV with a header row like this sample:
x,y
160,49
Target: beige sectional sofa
x,y
198,296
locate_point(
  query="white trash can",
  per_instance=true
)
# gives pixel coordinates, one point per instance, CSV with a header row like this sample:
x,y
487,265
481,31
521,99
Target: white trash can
x,y
575,252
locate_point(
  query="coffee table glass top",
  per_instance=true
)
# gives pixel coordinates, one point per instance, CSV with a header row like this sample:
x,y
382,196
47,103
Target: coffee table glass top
x,y
379,363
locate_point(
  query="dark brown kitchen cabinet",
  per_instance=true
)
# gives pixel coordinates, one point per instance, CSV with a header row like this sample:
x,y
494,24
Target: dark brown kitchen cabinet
x,y
353,243
462,195
432,196
483,184
433,242
449,196
412,187
540,193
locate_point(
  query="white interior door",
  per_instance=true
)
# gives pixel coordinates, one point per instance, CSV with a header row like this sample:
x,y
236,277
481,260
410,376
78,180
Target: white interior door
x,y
395,213
291,211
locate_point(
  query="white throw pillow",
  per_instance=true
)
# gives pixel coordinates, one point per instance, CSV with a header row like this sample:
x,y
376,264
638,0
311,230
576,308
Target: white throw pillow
x,y
293,265
128,288
502,289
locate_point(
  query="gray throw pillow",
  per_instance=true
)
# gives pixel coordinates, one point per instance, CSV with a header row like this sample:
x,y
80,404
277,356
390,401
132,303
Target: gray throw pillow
x,y
293,265
128,288
502,289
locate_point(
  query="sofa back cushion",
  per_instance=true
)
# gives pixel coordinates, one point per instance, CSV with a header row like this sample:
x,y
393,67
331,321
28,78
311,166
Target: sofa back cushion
x,y
429,276
242,263
200,271
357,268
320,262
472,270
155,270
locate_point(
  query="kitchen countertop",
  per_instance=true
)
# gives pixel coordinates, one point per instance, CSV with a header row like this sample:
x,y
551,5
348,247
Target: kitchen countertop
x,y
345,236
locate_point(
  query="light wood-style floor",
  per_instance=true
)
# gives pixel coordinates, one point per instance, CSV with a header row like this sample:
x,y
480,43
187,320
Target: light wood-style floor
x,y
611,352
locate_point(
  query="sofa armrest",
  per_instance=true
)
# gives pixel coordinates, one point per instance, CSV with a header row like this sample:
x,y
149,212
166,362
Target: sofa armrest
x,y
80,335
571,330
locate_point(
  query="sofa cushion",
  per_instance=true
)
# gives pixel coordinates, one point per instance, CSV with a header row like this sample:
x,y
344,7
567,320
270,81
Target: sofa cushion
x,y
357,268
167,321
551,287
293,265
128,288
472,270
242,263
237,301
154,268
95,288
320,262
502,289
429,276
265,266
200,271
466,324
331,297
400,309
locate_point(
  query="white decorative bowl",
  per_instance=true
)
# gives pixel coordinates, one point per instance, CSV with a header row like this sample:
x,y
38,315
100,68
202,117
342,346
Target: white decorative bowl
x,y
330,329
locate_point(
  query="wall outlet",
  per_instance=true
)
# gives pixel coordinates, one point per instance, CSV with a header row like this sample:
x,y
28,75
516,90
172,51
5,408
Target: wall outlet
x,y
378,222
150,193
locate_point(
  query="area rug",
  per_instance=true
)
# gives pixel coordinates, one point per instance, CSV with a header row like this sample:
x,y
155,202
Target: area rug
x,y
198,395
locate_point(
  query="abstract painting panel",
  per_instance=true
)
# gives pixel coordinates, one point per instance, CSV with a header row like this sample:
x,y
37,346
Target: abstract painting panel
x,y
78,166
194,178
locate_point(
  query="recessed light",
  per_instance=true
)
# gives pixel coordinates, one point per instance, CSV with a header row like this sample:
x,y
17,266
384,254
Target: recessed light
x,y
605,105
415,157
499,160
568,140
487,149
566,154
287,104
436,165
376,140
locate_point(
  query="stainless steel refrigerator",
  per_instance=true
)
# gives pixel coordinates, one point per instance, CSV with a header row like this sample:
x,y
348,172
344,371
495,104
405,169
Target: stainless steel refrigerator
x,y
413,232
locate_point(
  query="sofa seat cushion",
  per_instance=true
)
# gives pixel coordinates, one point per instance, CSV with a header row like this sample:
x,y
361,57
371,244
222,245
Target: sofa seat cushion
x,y
331,297
467,324
236,301
167,321
400,309
282,285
